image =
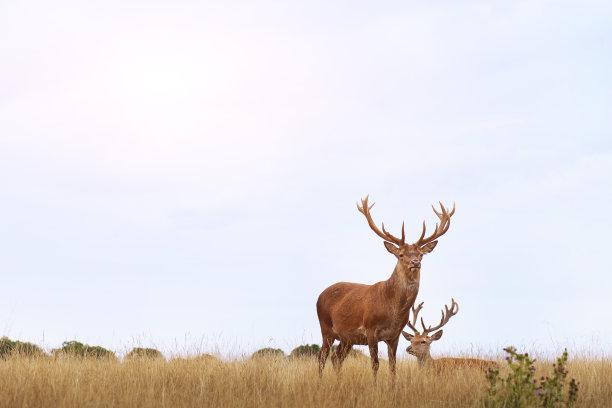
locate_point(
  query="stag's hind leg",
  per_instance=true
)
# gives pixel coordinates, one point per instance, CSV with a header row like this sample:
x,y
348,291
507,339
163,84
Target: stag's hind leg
x,y
340,354
324,352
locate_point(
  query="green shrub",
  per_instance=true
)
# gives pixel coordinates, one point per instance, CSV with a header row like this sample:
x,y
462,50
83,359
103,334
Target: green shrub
x,y
268,352
550,390
76,348
200,358
306,350
204,358
521,389
9,347
148,353
6,346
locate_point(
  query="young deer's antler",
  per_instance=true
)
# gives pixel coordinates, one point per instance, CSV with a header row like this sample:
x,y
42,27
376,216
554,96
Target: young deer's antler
x,y
445,317
415,313
441,228
365,210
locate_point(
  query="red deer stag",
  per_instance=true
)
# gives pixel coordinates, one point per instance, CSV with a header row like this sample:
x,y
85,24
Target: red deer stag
x,y
420,343
367,314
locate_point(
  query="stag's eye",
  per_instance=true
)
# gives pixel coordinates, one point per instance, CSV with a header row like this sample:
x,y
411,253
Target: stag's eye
x,y
401,255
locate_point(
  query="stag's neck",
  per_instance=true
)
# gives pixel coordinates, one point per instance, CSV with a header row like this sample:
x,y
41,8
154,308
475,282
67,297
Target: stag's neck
x,y
404,282
401,291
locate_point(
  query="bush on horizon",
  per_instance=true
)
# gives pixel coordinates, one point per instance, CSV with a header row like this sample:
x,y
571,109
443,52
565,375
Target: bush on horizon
x,y
10,347
268,352
305,351
204,357
140,352
76,348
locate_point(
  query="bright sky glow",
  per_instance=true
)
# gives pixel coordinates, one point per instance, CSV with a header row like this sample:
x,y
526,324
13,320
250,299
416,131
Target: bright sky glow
x,y
184,174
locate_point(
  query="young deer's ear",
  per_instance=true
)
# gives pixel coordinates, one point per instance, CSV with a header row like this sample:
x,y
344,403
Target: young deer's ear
x,y
391,248
436,335
408,336
427,248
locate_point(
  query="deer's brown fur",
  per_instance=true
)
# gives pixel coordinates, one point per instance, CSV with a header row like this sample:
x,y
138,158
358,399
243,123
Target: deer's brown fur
x,y
456,363
358,314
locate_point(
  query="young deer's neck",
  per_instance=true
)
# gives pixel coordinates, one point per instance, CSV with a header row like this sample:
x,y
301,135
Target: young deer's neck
x,y
424,359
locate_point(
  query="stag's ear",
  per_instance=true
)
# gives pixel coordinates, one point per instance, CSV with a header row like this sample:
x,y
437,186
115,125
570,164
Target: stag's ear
x,y
436,335
391,248
427,248
407,335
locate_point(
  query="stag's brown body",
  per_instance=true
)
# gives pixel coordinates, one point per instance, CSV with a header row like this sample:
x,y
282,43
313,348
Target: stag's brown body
x,y
350,312
354,313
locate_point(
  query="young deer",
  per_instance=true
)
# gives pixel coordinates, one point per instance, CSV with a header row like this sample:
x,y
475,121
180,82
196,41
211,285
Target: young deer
x,y
420,343
366,314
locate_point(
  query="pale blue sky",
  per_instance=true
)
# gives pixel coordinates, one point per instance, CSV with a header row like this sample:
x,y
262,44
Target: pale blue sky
x,y
184,174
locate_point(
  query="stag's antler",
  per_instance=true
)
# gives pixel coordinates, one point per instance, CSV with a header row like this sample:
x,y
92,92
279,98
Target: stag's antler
x,y
445,317
365,210
441,228
415,313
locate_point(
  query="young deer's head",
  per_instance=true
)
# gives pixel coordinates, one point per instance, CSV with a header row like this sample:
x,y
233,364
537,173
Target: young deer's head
x,y
420,342
409,255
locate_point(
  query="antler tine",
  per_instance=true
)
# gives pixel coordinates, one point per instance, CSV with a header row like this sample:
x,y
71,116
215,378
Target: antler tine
x,y
365,210
364,204
441,227
412,327
448,215
437,213
423,324
422,233
415,313
454,305
454,309
387,234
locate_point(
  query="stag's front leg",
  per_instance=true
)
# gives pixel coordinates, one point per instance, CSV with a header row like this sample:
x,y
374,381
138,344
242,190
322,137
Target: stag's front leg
x,y
392,351
373,345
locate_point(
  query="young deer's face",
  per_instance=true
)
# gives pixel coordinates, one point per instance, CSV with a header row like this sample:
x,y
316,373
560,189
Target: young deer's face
x,y
410,255
420,343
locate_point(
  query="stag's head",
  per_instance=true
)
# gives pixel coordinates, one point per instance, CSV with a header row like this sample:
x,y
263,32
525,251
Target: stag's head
x,y
420,342
409,255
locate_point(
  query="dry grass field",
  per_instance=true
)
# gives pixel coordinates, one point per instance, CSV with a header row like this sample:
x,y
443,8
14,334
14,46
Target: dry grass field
x,y
262,382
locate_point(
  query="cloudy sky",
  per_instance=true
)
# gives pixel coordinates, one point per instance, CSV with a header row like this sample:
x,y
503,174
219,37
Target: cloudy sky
x,y
184,175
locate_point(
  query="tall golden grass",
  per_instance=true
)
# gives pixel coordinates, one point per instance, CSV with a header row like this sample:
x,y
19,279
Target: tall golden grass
x,y
263,382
